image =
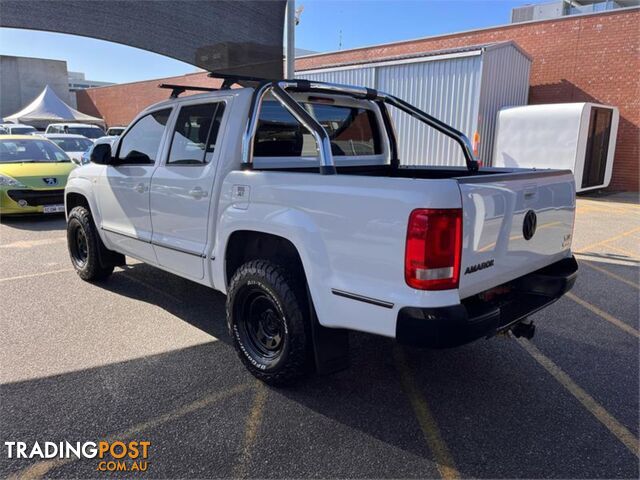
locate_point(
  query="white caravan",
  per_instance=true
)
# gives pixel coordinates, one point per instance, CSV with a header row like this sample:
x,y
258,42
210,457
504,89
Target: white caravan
x,y
580,137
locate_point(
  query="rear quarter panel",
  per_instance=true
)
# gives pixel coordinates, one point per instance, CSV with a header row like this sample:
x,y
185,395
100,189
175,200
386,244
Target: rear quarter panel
x,y
350,232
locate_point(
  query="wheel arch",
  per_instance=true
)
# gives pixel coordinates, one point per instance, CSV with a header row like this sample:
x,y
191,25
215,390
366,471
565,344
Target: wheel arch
x,y
75,199
78,193
246,245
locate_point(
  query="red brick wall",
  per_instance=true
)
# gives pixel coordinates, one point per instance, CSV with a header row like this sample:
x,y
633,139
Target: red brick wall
x,y
593,58
119,104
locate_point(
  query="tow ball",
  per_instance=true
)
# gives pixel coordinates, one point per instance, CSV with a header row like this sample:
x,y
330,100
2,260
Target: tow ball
x,y
526,330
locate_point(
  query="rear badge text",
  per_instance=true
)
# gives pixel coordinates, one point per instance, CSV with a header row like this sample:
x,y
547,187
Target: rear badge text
x,y
479,266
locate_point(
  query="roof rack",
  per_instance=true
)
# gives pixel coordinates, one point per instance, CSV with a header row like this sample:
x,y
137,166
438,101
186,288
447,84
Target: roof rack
x,y
228,80
176,90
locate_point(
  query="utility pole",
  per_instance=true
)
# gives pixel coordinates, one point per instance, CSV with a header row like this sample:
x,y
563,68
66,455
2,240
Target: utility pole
x,y
290,55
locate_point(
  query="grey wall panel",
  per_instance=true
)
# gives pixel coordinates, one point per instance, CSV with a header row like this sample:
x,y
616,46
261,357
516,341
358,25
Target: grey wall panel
x,y
448,90
505,82
22,79
463,90
365,77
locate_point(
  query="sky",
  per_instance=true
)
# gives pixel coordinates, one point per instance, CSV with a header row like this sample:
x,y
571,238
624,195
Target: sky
x,y
326,25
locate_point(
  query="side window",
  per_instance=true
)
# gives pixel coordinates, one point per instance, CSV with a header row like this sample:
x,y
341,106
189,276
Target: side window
x,y
353,131
142,142
195,134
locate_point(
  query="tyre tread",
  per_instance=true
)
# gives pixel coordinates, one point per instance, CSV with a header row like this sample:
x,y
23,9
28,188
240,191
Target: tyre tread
x,y
293,299
93,269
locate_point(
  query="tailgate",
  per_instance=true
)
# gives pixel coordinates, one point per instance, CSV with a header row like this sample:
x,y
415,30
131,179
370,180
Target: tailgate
x,y
513,224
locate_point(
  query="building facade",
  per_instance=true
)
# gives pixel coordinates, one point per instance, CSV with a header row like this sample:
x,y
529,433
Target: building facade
x,y
22,79
579,58
466,88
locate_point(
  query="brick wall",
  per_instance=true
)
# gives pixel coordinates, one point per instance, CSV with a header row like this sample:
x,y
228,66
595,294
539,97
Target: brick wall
x,y
119,104
594,58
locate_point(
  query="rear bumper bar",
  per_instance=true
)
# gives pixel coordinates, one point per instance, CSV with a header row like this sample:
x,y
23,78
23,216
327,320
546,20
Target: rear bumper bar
x,y
456,325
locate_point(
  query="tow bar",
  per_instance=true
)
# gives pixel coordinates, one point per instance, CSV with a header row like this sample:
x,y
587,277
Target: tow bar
x,y
526,330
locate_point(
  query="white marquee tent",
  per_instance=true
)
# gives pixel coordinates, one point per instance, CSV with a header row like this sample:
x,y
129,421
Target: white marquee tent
x,y
49,108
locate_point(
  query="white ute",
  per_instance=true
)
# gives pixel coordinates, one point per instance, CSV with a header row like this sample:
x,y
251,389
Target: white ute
x,y
288,197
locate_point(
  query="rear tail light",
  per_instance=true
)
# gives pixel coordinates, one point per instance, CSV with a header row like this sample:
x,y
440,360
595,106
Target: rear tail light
x,y
434,244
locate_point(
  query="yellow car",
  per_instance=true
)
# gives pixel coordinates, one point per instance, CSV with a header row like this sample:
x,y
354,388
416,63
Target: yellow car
x,y
33,174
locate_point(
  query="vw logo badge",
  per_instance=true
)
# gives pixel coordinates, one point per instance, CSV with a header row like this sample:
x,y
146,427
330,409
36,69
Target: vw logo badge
x,y
529,225
50,181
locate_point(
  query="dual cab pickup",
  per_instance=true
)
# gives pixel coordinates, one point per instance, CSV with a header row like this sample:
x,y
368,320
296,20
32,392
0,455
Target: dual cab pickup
x,y
289,197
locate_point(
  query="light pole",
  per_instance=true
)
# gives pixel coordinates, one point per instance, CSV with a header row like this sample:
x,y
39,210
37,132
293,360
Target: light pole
x,y
290,52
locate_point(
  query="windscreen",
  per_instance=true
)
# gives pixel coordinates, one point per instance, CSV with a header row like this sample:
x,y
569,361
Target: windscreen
x,y
22,130
89,132
30,151
72,144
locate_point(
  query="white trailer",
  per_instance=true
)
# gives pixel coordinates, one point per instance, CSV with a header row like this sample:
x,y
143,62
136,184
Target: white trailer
x,y
580,137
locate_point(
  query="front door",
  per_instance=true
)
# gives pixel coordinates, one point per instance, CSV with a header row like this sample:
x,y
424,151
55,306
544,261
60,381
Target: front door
x,y
123,188
181,189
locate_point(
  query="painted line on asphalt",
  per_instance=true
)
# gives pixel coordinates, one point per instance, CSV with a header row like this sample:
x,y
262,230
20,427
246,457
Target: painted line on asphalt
x,y
587,401
633,255
40,469
612,275
615,237
254,421
602,209
32,275
428,425
609,318
34,243
593,257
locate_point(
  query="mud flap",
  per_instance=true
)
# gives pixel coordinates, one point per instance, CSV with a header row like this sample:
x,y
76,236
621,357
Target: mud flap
x,y
330,347
110,258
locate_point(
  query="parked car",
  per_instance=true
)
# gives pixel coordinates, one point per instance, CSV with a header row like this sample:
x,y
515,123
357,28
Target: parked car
x,y
301,214
115,131
17,129
73,145
33,174
86,155
84,129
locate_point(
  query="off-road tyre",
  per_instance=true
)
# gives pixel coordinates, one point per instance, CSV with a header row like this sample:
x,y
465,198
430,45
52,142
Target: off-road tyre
x,y
85,246
267,302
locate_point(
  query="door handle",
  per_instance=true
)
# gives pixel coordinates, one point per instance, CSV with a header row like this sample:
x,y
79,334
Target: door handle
x,y
139,188
198,193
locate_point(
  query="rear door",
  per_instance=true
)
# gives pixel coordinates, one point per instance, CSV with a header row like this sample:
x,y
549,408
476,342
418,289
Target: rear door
x,y
513,224
181,187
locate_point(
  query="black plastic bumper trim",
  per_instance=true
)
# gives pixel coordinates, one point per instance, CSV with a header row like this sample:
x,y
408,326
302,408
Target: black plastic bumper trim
x,y
456,325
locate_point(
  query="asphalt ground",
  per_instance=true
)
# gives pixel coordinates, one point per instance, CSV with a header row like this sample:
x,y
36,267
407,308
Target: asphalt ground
x,y
145,356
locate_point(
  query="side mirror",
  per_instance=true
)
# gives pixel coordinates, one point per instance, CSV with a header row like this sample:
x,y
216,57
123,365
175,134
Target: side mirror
x,y
77,161
101,154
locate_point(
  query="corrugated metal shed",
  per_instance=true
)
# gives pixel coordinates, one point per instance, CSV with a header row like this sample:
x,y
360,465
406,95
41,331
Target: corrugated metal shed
x,y
464,87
